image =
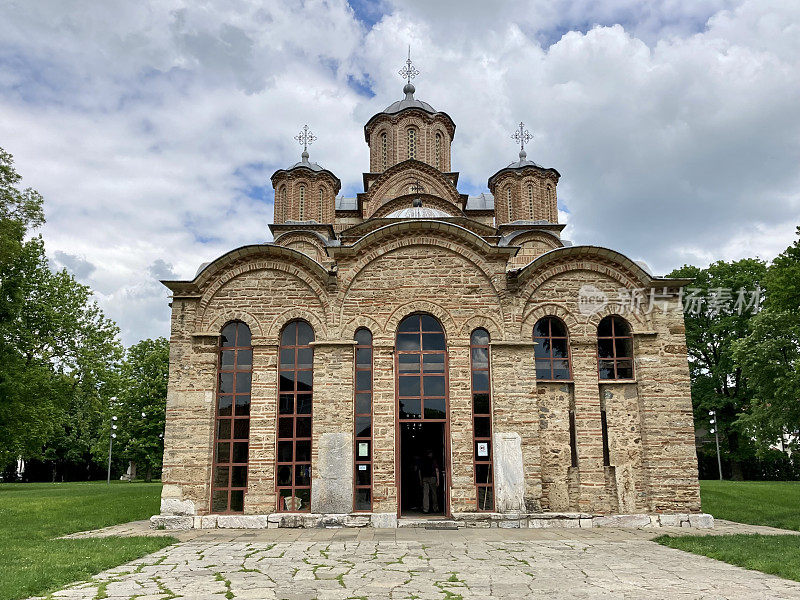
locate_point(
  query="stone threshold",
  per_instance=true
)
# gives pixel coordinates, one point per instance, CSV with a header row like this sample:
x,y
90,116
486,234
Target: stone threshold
x,y
460,520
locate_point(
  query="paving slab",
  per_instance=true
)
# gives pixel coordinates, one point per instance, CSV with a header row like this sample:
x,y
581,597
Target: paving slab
x,y
342,564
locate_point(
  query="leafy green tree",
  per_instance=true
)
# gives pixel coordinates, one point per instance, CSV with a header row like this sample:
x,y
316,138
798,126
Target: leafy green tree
x,y
717,380
143,404
770,356
58,352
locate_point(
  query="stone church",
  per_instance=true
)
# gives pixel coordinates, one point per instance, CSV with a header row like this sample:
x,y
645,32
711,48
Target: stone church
x,y
418,353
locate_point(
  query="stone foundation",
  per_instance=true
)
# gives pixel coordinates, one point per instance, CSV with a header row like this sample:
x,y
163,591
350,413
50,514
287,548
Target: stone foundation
x,y
469,520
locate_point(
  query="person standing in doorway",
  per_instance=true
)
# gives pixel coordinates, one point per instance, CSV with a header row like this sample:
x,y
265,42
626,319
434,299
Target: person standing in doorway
x,y
429,478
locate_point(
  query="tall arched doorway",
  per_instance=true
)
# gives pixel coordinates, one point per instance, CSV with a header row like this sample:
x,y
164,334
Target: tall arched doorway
x,y
423,432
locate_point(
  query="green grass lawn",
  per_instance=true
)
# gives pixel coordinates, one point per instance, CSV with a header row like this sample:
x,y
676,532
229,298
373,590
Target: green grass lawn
x,y
772,503
32,562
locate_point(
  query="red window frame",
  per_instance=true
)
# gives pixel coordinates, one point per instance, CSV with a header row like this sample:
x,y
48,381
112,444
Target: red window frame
x,y
482,419
232,419
543,351
362,464
295,414
619,340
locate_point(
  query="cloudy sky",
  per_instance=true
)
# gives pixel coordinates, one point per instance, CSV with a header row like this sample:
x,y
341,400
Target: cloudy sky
x,y
152,127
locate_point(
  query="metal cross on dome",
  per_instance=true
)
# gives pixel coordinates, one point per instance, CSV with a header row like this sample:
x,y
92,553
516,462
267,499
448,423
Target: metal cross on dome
x,y
305,137
409,72
521,136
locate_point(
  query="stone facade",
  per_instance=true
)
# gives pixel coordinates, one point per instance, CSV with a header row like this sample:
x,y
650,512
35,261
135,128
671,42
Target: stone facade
x,y
581,451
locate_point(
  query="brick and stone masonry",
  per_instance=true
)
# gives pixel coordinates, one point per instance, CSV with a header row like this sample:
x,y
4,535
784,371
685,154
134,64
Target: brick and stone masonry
x,y
366,262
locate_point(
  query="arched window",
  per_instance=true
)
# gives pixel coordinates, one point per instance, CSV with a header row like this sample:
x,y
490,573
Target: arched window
x,y
421,368
283,202
530,201
363,421
614,348
321,206
232,431
551,350
384,151
302,212
412,142
295,388
552,210
482,418
439,151
510,206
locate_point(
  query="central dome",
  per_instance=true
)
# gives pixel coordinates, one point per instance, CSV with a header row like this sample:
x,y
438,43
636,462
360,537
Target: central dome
x,y
418,212
408,102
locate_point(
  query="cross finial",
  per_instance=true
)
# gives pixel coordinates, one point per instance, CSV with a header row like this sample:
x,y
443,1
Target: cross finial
x,y
521,136
306,138
409,72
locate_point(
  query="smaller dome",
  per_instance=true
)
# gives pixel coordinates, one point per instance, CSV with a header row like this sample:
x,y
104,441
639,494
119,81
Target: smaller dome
x,y
418,212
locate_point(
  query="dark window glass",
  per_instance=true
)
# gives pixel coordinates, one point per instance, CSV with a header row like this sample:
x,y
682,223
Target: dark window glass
x,y
364,357
432,341
409,363
483,427
480,381
242,406
409,386
223,452
363,403
433,385
481,403
410,408
363,337
238,476
573,439
227,358
433,363
241,429
435,408
363,380
244,359
363,499
614,349
363,474
243,381
551,349
363,426
294,424
224,404
408,342
225,383
482,420
240,452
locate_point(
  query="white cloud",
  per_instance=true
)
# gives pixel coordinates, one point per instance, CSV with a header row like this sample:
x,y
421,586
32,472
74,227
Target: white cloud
x,y
152,128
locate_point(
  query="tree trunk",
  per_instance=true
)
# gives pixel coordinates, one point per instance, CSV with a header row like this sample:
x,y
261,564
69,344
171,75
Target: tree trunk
x,y
148,476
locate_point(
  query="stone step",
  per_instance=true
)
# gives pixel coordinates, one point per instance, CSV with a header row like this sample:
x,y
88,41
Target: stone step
x,y
428,523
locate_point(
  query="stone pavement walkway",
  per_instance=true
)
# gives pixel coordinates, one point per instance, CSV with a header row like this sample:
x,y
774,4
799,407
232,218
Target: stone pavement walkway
x,y
340,564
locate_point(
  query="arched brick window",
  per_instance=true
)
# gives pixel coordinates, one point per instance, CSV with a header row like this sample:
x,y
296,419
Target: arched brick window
x,y
232,431
363,421
438,149
302,211
614,348
412,142
552,210
321,204
530,200
551,350
509,204
482,419
282,194
384,151
295,389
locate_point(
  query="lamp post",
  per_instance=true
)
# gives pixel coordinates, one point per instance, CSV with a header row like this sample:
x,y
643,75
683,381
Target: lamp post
x,y
111,440
715,431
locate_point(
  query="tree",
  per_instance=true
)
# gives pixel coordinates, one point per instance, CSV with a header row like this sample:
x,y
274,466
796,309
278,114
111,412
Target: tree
x,y
143,403
770,355
58,352
717,380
